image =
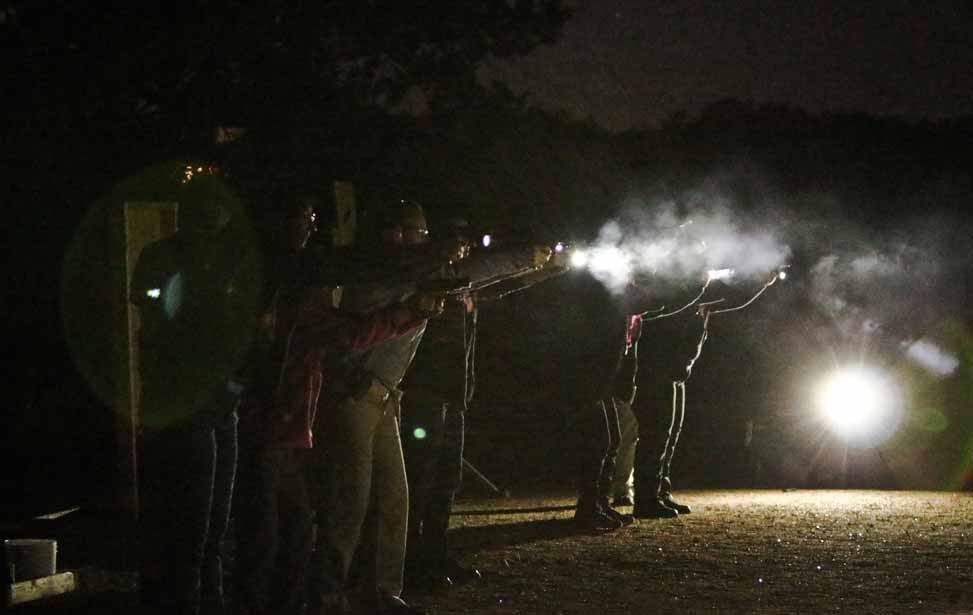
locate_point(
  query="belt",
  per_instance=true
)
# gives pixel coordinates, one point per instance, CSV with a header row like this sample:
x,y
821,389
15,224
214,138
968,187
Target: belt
x,y
377,390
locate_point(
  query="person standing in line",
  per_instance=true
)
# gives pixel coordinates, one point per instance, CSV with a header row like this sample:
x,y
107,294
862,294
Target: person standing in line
x,y
364,450
440,386
624,396
302,332
197,294
660,418
608,315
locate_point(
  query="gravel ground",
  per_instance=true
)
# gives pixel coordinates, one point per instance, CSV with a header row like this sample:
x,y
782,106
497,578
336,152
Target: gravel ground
x,y
738,552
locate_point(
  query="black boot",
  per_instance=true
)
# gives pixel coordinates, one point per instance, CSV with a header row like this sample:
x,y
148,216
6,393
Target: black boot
x,y
665,494
682,509
622,518
622,500
590,516
653,509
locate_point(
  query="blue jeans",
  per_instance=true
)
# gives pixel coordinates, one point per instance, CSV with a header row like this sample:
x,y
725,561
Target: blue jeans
x,y
186,486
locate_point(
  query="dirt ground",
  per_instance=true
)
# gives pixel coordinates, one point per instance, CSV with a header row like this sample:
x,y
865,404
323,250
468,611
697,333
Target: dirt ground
x,y
738,552
748,552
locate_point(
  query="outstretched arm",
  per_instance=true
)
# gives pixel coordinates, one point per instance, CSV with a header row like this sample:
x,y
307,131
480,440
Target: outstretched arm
x,y
521,282
638,300
494,266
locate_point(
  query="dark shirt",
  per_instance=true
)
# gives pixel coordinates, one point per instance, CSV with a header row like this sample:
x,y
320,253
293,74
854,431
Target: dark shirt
x,y
597,325
197,298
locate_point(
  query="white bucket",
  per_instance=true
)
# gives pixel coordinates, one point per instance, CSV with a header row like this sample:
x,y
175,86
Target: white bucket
x,y
30,558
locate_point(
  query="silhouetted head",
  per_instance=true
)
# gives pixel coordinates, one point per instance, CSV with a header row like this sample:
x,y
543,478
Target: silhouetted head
x,y
206,204
404,223
458,228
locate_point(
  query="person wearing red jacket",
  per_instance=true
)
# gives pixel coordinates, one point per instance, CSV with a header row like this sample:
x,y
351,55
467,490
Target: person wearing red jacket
x,y
362,462
301,332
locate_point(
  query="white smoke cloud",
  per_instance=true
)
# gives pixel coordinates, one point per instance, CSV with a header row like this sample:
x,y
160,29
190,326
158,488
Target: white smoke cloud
x,y
657,239
877,284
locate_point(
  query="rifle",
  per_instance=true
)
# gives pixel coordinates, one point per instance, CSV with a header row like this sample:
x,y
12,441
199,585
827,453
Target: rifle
x,y
444,286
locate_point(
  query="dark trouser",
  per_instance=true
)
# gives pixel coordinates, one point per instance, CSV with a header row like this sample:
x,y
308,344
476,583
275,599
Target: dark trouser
x,y
272,519
434,465
601,435
186,480
659,428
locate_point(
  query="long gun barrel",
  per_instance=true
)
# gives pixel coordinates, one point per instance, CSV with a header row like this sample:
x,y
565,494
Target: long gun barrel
x,y
444,286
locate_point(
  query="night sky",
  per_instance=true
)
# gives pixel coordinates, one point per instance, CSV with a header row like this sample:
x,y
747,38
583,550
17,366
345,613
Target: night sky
x,y
632,63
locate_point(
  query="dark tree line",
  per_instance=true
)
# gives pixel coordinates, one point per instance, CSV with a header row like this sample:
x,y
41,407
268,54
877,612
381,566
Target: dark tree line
x,y
142,81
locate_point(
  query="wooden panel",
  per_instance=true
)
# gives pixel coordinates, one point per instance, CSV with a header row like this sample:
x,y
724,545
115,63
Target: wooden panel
x,y
44,587
144,223
346,218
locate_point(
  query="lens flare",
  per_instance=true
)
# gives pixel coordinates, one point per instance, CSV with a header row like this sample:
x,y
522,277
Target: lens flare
x,y
419,433
931,357
172,296
860,404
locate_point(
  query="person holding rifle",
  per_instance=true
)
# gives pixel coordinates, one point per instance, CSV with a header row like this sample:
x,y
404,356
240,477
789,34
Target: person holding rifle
x,y
362,449
301,335
611,320
440,386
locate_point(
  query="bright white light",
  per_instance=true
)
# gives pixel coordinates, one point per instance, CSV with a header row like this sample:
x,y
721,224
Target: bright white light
x,y
720,274
609,264
579,258
781,275
609,260
487,240
559,247
153,293
860,404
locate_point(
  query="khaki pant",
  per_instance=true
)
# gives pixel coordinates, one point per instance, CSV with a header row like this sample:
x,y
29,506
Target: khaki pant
x,y
625,461
361,448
